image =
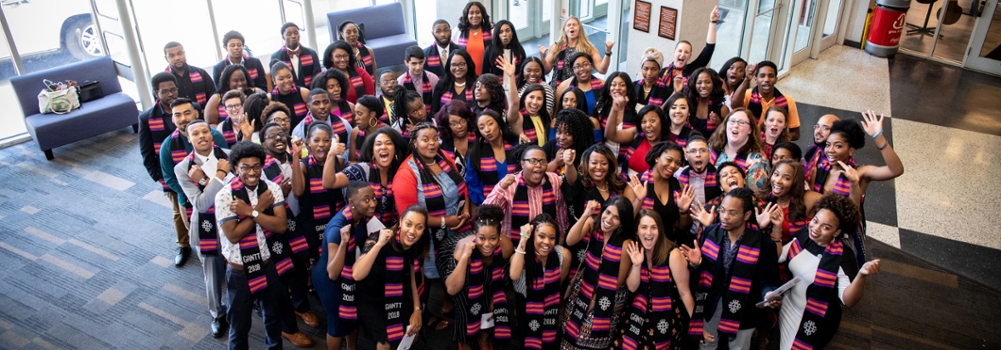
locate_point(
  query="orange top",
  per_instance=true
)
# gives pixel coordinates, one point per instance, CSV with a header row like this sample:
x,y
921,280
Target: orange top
x,y
793,120
475,49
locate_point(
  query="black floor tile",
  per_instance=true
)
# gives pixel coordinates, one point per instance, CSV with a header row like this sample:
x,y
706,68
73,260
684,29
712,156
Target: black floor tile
x,y
976,262
880,198
934,93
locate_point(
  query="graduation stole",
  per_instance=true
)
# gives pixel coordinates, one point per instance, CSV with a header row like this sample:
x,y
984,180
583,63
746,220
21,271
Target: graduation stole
x,y
652,198
542,304
755,103
434,198
360,137
317,203
529,127
296,238
250,251
208,241
366,57
711,185
382,194
842,187
252,71
596,86
158,131
356,81
294,101
742,276
667,76
740,160
336,124
395,277
708,125
652,302
483,291
560,66
464,37
820,291
226,127
195,78
682,138
599,283
177,153
446,97
520,205
811,158
434,57
343,110
488,168
348,309
305,64
426,89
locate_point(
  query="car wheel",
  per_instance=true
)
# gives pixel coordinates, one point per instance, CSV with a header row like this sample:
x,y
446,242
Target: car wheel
x,y
82,39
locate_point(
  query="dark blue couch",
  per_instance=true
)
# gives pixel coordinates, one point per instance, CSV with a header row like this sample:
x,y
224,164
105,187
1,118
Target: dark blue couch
x,y
116,110
385,31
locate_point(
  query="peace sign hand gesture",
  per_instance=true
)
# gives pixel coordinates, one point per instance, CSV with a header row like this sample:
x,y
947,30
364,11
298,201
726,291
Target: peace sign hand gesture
x,y
850,173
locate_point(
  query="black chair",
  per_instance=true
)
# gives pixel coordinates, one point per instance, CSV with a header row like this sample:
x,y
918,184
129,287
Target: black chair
x,y
924,30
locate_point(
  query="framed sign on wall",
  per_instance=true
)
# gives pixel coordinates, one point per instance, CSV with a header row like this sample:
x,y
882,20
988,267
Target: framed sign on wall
x,y
668,22
641,17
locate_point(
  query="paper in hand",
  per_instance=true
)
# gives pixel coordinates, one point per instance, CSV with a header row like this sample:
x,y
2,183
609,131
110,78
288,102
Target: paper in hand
x,y
777,293
407,340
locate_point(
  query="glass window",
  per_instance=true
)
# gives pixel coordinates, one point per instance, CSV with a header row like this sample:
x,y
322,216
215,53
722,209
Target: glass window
x,y
427,13
68,36
833,13
186,22
320,10
11,118
729,30
259,21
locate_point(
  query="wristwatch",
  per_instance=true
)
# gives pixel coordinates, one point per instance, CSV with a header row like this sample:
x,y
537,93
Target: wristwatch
x,y
254,213
203,181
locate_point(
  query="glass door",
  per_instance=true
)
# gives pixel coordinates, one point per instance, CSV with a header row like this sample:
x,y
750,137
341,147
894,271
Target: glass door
x,y
800,28
531,21
985,52
832,22
761,38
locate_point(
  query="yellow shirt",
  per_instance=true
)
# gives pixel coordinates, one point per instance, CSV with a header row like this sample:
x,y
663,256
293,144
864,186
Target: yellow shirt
x,y
539,130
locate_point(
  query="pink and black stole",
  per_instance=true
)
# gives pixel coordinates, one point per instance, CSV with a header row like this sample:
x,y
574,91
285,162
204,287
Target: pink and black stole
x,y
366,59
158,132
464,38
488,167
294,103
447,96
228,133
356,81
705,126
650,317
250,251
427,91
682,138
560,67
542,303
306,65
485,287
755,104
295,237
434,198
336,124
343,110
711,185
811,158
195,77
842,187
600,284
667,77
360,137
317,204
208,233
397,262
820,291
177,153
347,311
743,271
520,205
740,160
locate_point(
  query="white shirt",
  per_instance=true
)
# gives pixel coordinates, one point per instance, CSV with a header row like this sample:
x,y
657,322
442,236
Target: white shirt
x,y
803,266
295,60
231,251
209,164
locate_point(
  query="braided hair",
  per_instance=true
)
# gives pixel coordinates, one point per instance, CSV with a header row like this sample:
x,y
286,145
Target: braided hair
x,y
401,98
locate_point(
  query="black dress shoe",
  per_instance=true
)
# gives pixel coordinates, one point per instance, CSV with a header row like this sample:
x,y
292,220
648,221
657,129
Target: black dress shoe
x,y
217,327
182,256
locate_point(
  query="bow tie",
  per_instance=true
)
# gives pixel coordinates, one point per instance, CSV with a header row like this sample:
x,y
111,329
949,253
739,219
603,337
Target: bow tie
x,y
293,53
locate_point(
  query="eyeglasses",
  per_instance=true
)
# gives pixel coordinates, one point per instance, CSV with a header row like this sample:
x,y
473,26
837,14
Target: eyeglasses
x,y
729,213
233,107
697,151
341,57
279,120
280,135
821,126
582,66
738,122
534,161
256,168
459,65
168,91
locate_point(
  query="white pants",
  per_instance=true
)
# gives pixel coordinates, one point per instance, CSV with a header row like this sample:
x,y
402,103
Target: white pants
x,y
740,342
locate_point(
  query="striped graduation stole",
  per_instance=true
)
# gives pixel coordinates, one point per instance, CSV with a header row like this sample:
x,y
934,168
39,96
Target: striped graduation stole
x,y
367,57
298,107
596,85
177,148
223,115
529,131
560,65
648,202
226,127
356,82
434,60
742,276
306,61
250,250
651,308
488,170
194,77
158,132
814,153
542,303
252,71
446,97
479,279
843,186
521,205
755,104
820,291
599,283
740,160
347,311
393,293
208,241
426,89
668,74
321,209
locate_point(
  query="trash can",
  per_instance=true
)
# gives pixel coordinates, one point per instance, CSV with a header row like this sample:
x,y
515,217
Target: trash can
x,y
887,25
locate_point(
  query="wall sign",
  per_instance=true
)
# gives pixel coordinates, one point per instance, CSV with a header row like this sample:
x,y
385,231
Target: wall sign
x,y
668,22
641,17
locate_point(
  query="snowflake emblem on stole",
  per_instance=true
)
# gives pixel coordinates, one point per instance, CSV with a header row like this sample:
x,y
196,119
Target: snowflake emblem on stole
x,y
809,327
534,325
291,225
206,225
475,309
734,306
580,254
662,326
605,303
277,248
440,234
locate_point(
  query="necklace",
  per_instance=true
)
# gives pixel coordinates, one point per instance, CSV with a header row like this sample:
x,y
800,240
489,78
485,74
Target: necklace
x,y
461,85
601,189
647,90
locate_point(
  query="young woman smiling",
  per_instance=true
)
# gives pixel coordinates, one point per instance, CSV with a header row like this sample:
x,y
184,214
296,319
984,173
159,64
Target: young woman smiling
x,y
774,129
705,94
457,83
380,158
738,141
537,271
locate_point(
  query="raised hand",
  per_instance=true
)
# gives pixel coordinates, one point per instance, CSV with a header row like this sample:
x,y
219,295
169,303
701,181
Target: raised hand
x,y
345,234
542,51
246,127
506,181
639,188
466,246
715,14
850,173
507,67
750,70
526,230
384,236
705,217
871,123
609,45
337,148
870,268
297,145
589,209
635,252
679,83
693,255
619,101
764,217
687,197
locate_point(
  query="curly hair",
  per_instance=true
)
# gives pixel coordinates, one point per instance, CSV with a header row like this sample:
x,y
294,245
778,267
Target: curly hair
x,y
852,132
603,106
328,54
797,207
246,149
580,128
230,35
721,166
457,108
488,215
719,138
842,207
273,107
367,151
223,84
660,148
495,89
615,183
484,24
320,82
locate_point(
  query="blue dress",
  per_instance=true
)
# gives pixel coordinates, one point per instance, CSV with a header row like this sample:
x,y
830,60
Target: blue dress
x,y
329,291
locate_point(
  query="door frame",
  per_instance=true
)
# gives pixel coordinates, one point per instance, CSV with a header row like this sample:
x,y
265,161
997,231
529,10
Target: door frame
x,y
972,60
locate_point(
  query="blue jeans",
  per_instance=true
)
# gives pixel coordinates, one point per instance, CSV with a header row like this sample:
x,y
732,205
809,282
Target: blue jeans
x,y
241,303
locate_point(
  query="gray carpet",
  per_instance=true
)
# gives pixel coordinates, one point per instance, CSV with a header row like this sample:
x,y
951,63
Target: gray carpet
x,y
86,250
